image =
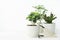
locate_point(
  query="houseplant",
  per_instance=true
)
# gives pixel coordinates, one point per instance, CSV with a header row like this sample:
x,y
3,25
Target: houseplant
x,y
49,25
33,17
33,28
38,15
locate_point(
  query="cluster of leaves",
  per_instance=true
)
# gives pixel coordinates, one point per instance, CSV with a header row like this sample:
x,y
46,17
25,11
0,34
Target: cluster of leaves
x,y
50,18
33,16
38,15
39,7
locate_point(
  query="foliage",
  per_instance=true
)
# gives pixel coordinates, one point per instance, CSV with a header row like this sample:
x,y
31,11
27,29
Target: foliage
x,y
33,16
50,18
41,9
39,14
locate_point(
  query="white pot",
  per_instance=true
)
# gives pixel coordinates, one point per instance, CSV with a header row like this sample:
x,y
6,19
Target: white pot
x,y
49,29
33,31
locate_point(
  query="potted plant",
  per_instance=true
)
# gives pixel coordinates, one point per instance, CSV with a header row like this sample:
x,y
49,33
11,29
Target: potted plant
x,y
49,25
33,17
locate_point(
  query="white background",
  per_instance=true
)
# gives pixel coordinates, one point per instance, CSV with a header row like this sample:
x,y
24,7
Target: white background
x,y
13,18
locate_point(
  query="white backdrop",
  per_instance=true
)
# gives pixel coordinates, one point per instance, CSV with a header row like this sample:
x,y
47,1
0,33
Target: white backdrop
x,y
13,17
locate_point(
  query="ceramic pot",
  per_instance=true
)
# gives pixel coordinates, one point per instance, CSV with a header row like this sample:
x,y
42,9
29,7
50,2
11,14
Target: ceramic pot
x,y
49,29
33,30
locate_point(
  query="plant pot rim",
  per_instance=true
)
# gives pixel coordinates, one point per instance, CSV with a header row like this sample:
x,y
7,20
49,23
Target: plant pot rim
x,y
31,25
47,23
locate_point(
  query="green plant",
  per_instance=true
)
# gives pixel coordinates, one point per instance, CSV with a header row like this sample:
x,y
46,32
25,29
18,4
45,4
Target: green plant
x,y
37,15
41,9
33,17
50,18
